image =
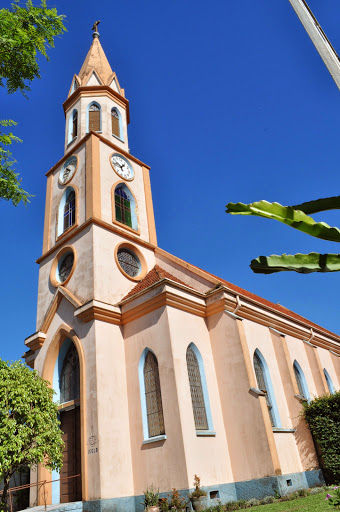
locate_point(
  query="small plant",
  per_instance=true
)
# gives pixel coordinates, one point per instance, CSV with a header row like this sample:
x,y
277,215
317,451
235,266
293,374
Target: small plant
x,y
253,502
176,501
151,498
267,499
334,499
316,490
198,491
277,494
163,505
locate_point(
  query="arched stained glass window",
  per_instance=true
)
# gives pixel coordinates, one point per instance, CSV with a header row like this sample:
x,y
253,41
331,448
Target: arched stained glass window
x,y
262,385
197,396
153,397
70,209
94,118
115,122
123,206
70,376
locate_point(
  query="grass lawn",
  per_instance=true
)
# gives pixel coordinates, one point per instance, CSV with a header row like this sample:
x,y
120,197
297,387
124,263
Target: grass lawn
x,y
313,503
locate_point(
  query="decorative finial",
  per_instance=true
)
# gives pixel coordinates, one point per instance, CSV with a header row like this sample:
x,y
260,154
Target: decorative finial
x,y
95,28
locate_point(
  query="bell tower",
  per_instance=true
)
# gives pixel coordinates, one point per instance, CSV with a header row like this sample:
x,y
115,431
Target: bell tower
x,y
99,230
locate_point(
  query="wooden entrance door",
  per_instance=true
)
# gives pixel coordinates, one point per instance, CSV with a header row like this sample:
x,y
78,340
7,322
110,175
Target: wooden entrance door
x,y
70,488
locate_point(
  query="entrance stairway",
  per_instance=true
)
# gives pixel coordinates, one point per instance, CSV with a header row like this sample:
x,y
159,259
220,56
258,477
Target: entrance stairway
x,y
76,506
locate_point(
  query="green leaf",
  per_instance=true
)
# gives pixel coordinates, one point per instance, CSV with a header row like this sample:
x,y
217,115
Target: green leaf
x,y
319,205
303,263
287,215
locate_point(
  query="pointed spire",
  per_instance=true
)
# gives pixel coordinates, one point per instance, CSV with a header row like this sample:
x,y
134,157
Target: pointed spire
x,y
95,62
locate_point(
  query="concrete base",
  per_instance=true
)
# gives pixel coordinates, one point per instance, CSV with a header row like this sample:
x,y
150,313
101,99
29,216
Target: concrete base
x,y
258,488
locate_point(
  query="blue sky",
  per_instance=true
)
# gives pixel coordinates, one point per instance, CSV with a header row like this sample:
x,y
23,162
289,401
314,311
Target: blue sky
x,y
229,101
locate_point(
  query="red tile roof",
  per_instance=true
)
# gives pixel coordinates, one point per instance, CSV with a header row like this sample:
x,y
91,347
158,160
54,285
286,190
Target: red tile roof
x,y
154,276
157,274
272,305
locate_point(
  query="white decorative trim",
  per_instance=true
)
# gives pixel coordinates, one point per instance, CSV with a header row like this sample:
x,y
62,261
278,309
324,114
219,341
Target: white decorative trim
x,y
205,433
154,439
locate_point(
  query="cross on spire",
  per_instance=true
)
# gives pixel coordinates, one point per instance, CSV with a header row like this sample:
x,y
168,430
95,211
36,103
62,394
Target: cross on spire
x,y
95,28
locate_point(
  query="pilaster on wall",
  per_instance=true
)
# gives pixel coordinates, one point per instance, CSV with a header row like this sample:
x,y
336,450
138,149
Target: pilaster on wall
x,y
149,207
47,221
252,454
92,169
303,438
262,399
316,369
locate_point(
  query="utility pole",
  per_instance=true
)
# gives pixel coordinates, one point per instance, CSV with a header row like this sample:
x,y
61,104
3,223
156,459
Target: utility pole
x,y
319,38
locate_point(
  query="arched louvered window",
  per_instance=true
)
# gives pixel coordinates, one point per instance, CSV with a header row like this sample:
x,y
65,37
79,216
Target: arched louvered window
x,y
123,206
301,381
94,123
115,120
74,124
70,376
70,209
153,397
264,384
329,382
196,390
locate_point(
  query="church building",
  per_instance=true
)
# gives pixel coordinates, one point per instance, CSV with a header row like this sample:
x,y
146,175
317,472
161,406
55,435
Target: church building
x,y
162,370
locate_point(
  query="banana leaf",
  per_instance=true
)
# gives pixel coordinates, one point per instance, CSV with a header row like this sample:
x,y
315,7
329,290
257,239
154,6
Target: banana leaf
x,y
287,215
319,205
303,263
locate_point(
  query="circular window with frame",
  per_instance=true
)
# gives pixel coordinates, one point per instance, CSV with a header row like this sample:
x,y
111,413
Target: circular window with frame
x,y
130,261
63,266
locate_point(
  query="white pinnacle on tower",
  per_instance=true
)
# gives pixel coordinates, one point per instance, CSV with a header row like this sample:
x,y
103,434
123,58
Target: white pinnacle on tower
x,y
319,38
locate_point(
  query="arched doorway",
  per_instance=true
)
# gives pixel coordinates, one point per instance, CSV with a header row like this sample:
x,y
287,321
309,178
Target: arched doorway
x,y
67,385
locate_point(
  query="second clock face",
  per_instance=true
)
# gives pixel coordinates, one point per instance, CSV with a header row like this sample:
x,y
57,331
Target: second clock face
x,y
122,167
68,170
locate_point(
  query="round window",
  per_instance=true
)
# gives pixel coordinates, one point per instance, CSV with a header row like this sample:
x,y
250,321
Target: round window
x,y
65,266
129,262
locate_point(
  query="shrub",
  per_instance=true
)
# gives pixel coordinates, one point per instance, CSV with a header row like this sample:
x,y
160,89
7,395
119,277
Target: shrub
x,y
316,490
253,502
322,415
267,499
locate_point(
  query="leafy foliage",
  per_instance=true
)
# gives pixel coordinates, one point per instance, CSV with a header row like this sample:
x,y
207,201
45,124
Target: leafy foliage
x,y
323,417
297,218
25,32
10,188
29,426
302,263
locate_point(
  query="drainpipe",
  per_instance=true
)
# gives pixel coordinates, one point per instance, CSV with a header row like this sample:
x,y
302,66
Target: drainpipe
x,y
238,305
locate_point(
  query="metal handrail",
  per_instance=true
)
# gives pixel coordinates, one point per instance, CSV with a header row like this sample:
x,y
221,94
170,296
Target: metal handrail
x,y
42,484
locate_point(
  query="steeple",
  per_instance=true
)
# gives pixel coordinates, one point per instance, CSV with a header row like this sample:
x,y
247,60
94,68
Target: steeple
x,y
96,61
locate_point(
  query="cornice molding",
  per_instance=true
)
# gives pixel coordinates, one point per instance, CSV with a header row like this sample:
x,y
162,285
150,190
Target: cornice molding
x,y
93,89
97,222
103,139
96,310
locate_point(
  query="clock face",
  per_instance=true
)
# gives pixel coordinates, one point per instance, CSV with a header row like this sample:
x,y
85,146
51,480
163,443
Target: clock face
x,y
122,167
68,170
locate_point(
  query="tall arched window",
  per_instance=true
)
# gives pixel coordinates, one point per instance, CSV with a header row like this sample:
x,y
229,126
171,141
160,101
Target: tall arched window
x,y
123,206
329,382
94,120
69,377
301,381
153,397
70,210
196,391
66,211
116,123
264,384
74,124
